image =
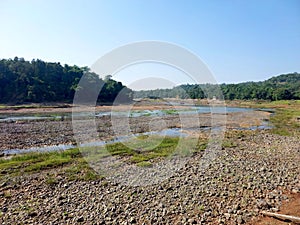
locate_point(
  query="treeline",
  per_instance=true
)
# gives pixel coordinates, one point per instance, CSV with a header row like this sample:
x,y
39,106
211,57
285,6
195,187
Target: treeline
x,y
38,81
283,87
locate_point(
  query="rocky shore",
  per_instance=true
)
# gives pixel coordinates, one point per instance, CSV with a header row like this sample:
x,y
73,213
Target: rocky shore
x,y
255,170
38,133
253,174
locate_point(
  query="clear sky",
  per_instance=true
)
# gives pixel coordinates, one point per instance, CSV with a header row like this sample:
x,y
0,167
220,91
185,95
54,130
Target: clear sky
x,y
238,40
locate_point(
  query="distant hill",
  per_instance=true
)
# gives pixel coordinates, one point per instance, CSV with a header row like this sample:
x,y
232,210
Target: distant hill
x,y
285,78
38,81
282,87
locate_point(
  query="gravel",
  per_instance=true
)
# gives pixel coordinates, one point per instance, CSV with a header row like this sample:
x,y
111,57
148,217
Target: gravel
x,y
28,134
255,174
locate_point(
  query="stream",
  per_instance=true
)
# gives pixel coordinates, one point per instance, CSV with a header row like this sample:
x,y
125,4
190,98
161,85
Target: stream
x,y
134,113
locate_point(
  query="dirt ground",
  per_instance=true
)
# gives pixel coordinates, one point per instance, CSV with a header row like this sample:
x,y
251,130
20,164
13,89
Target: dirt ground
x,y
68,108
290,207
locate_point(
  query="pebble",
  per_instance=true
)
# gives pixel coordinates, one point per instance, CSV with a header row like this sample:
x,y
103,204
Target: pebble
x,y
235,187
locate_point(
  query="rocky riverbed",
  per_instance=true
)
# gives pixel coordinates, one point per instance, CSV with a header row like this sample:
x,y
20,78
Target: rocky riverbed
x,y
26,134
253,174
255,170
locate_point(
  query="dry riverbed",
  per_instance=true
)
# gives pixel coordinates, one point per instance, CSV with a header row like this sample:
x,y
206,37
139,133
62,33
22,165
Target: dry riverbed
x,y
38,133
253,173
255,170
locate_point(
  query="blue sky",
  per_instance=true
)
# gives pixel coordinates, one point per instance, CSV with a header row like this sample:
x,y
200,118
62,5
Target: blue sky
x,y
238,40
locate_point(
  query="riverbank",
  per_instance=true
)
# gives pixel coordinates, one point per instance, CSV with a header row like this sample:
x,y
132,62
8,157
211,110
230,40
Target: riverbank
x,y
257,169
255,172
38,133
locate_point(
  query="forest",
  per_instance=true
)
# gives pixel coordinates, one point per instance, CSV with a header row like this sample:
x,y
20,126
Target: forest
x,y
37,81
282,87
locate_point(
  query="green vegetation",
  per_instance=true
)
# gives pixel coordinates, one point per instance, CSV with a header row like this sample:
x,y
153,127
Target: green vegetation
x,y
283,87
266,104
285,120
142,151
32,162
170,111
201,208
71,163
38,81
144,164
228,144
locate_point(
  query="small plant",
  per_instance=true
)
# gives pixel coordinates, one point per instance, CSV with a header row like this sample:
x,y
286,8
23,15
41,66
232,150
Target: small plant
x,y
201,208
201,146
35,162
144,164
284,122
140,151
170,111
7,194
90,175
228,144
51,180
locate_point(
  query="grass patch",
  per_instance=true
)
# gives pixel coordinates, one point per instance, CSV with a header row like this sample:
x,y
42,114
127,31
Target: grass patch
x,y
170,111
286,122
147,148
286,117
51,162
81,170
265,104
228,144
7,194
201,146
33,162
51,180
144,164
71,164
140,149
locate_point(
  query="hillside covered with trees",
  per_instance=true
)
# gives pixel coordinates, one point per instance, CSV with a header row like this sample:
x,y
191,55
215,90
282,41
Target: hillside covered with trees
x,y
38,81
283,87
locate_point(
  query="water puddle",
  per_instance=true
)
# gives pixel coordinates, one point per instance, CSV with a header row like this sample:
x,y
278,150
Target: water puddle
x,y
133,113
265,125
173,132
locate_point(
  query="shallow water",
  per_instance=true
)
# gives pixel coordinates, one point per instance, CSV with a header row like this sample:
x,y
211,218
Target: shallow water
x,y
133,113
264,126
173,132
